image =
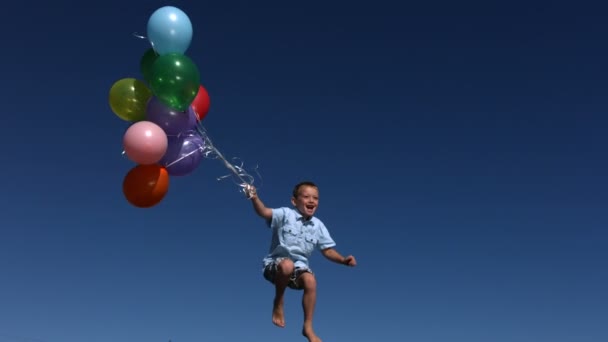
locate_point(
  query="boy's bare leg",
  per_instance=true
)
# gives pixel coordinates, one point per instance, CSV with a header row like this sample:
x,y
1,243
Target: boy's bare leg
x,y
309,299
284,271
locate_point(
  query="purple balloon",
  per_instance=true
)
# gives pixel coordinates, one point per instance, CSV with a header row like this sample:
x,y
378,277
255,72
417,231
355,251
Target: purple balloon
x,y
187,149
172,121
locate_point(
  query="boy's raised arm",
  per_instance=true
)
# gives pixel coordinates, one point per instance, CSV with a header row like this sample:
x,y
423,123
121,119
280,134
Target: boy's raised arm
x,y
258,205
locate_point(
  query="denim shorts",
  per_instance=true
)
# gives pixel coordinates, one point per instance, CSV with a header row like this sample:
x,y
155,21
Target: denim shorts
x,y
270,272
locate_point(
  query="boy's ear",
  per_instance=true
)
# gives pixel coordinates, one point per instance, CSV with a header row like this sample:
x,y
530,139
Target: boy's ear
x,y
293,201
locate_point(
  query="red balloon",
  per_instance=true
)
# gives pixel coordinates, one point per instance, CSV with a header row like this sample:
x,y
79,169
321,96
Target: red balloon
x,y
201,103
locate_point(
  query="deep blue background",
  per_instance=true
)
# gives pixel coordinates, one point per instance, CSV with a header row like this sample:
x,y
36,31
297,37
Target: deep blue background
x,y
460,149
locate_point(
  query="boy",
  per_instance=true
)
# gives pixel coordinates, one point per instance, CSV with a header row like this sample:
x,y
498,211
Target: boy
x,y
295,234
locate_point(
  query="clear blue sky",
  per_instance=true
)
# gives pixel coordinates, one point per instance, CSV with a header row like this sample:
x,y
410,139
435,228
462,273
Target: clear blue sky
x,y
460,149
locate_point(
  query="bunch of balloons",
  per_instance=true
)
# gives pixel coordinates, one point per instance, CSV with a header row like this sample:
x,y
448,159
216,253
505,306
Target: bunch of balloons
x,y
164,109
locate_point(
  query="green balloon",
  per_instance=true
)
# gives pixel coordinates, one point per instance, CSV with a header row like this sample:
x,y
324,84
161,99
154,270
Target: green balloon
x,y
145,65
175,80
129,99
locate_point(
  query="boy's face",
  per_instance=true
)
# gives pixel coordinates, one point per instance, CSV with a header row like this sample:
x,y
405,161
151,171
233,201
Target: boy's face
x,y
307,201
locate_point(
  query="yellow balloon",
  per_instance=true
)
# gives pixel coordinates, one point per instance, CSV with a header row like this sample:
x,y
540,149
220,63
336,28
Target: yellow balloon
x,y
129,99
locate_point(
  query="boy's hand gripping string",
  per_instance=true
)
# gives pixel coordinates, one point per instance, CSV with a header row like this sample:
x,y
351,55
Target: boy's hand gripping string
x,y
250,191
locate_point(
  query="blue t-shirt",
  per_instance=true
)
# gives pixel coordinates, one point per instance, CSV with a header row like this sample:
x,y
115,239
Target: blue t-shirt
x,y
296,238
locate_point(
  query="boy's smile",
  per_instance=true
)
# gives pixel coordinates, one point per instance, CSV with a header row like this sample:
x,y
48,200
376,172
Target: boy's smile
x,y
307,201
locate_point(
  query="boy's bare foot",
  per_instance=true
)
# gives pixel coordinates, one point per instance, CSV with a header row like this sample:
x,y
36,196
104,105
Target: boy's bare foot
x,y
277,314
310,335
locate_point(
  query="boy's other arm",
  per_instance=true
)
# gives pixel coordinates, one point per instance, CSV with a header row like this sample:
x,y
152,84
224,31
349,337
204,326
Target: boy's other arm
x,y
333,255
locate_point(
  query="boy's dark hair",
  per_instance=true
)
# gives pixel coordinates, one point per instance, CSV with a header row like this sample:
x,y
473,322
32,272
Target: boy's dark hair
x,y
296,189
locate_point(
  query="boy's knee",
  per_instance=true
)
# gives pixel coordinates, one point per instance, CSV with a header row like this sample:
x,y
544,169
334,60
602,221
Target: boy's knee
x,y
285,267
308,281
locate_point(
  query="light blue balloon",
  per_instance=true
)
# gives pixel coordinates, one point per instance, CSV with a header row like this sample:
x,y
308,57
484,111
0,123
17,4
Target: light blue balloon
x,y
169,30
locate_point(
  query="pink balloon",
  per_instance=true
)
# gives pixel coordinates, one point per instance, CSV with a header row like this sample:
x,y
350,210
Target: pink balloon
x,y
145,142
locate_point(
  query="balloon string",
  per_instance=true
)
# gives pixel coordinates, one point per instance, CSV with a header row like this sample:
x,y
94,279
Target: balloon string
x,y
136,35
199,149
237,171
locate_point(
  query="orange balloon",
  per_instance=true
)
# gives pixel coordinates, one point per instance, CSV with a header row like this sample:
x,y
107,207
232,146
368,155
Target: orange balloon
x,y
145,186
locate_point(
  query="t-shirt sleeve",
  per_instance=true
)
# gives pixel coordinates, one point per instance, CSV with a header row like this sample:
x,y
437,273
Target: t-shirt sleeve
x,y
325,240
278,217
